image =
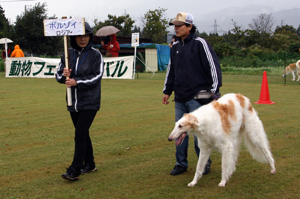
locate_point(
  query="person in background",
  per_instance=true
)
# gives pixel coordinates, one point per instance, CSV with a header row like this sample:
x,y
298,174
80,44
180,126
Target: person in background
x,y
84,78
113,47
194,74
4,56
174,38
4,53
17,52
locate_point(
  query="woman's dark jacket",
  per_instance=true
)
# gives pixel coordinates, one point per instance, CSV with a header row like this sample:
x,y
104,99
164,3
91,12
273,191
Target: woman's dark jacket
x,y
87,69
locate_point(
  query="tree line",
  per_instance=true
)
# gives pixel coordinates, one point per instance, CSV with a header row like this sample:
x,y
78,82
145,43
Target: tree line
x,y
28,30
259,39
256,40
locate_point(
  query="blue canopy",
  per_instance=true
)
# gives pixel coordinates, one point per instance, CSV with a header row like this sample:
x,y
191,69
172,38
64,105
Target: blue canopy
x,y
163,56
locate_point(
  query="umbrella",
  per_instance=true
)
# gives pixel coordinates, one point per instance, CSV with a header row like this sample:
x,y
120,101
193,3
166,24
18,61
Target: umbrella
x,y
107,30
5,41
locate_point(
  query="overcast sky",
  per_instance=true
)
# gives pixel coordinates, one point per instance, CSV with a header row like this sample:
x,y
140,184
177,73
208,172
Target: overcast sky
x,y
205,12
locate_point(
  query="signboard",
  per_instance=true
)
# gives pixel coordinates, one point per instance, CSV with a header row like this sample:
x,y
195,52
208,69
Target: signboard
x,y
62,27
135,39
114,67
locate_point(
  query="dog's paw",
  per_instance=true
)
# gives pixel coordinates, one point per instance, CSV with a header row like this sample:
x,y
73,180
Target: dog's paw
x,y
222,184
191,184
273,171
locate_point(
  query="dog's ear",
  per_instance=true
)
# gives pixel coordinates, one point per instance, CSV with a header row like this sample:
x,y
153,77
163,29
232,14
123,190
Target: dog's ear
x,y
192,120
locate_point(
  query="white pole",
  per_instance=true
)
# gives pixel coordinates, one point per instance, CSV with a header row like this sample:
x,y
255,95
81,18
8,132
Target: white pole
x,y
6,47
134,64
69,93
6,56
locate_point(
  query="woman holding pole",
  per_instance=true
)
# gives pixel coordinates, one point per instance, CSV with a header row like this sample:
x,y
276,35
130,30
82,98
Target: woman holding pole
x,y
84,78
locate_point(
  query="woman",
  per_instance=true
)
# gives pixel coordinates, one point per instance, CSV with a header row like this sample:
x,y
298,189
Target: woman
x,y
85,74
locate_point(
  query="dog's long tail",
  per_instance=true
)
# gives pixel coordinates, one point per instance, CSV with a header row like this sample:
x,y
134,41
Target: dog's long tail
x,y
256,139
298,64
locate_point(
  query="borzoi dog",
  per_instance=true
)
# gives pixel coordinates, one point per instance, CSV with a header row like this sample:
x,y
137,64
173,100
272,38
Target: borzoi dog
x,y
222,124
293,68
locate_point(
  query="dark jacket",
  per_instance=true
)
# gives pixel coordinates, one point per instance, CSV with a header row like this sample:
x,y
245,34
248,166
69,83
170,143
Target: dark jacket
x,y
88,74
193,66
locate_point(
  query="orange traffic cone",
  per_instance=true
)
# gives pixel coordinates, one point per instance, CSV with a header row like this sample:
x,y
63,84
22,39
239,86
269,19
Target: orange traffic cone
x,y
264,92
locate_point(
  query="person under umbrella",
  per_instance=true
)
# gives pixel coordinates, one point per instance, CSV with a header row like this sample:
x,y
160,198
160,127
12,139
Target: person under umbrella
x,y
113,47
4,53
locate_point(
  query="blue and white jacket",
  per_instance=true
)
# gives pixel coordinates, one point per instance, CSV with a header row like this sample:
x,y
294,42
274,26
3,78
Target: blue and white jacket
x,y
193,66
87,69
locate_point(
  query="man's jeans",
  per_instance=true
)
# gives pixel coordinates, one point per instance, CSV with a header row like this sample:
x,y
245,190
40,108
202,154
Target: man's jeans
x,y
182,150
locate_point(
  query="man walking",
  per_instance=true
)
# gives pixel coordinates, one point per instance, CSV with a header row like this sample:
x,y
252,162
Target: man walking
x,y
194,74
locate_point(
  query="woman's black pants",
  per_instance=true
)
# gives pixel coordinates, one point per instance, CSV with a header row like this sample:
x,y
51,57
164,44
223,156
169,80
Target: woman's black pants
x,y
82,121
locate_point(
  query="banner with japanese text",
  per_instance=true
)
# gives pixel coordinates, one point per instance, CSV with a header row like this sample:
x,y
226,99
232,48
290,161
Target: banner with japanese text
x,y
31,67
118,67
114,67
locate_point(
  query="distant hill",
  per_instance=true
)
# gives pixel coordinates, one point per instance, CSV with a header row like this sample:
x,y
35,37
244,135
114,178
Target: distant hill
x,y
243,17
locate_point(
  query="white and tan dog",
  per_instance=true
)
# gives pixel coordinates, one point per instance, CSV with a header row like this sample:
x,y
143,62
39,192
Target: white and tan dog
x,y
293,68
222,124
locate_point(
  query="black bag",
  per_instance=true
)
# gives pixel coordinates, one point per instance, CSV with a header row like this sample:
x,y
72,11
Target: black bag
x,y
204,101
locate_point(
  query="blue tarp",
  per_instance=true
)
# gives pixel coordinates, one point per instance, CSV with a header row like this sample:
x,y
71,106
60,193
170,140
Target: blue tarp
x,y
163,56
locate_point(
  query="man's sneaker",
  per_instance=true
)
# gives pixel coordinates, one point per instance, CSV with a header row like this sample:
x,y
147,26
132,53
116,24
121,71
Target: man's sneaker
x,y
88,168
71,174
177,170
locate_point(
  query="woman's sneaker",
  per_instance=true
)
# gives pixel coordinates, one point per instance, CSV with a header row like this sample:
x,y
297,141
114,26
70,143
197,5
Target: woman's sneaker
x,y
88,168
71,174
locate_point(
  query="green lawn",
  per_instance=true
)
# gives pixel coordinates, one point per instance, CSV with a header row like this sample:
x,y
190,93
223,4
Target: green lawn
x,y
131,150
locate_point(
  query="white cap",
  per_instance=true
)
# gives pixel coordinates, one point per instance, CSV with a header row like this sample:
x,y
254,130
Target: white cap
x,y
182,18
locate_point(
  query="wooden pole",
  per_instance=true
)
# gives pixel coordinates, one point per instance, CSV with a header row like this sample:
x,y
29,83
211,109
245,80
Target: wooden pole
x,y
66,48
69,93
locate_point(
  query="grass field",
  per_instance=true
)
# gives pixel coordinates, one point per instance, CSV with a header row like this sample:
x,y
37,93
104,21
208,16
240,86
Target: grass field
x,y
131,150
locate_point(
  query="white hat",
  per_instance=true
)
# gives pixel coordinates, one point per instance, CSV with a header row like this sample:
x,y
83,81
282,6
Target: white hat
x,y
182,18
